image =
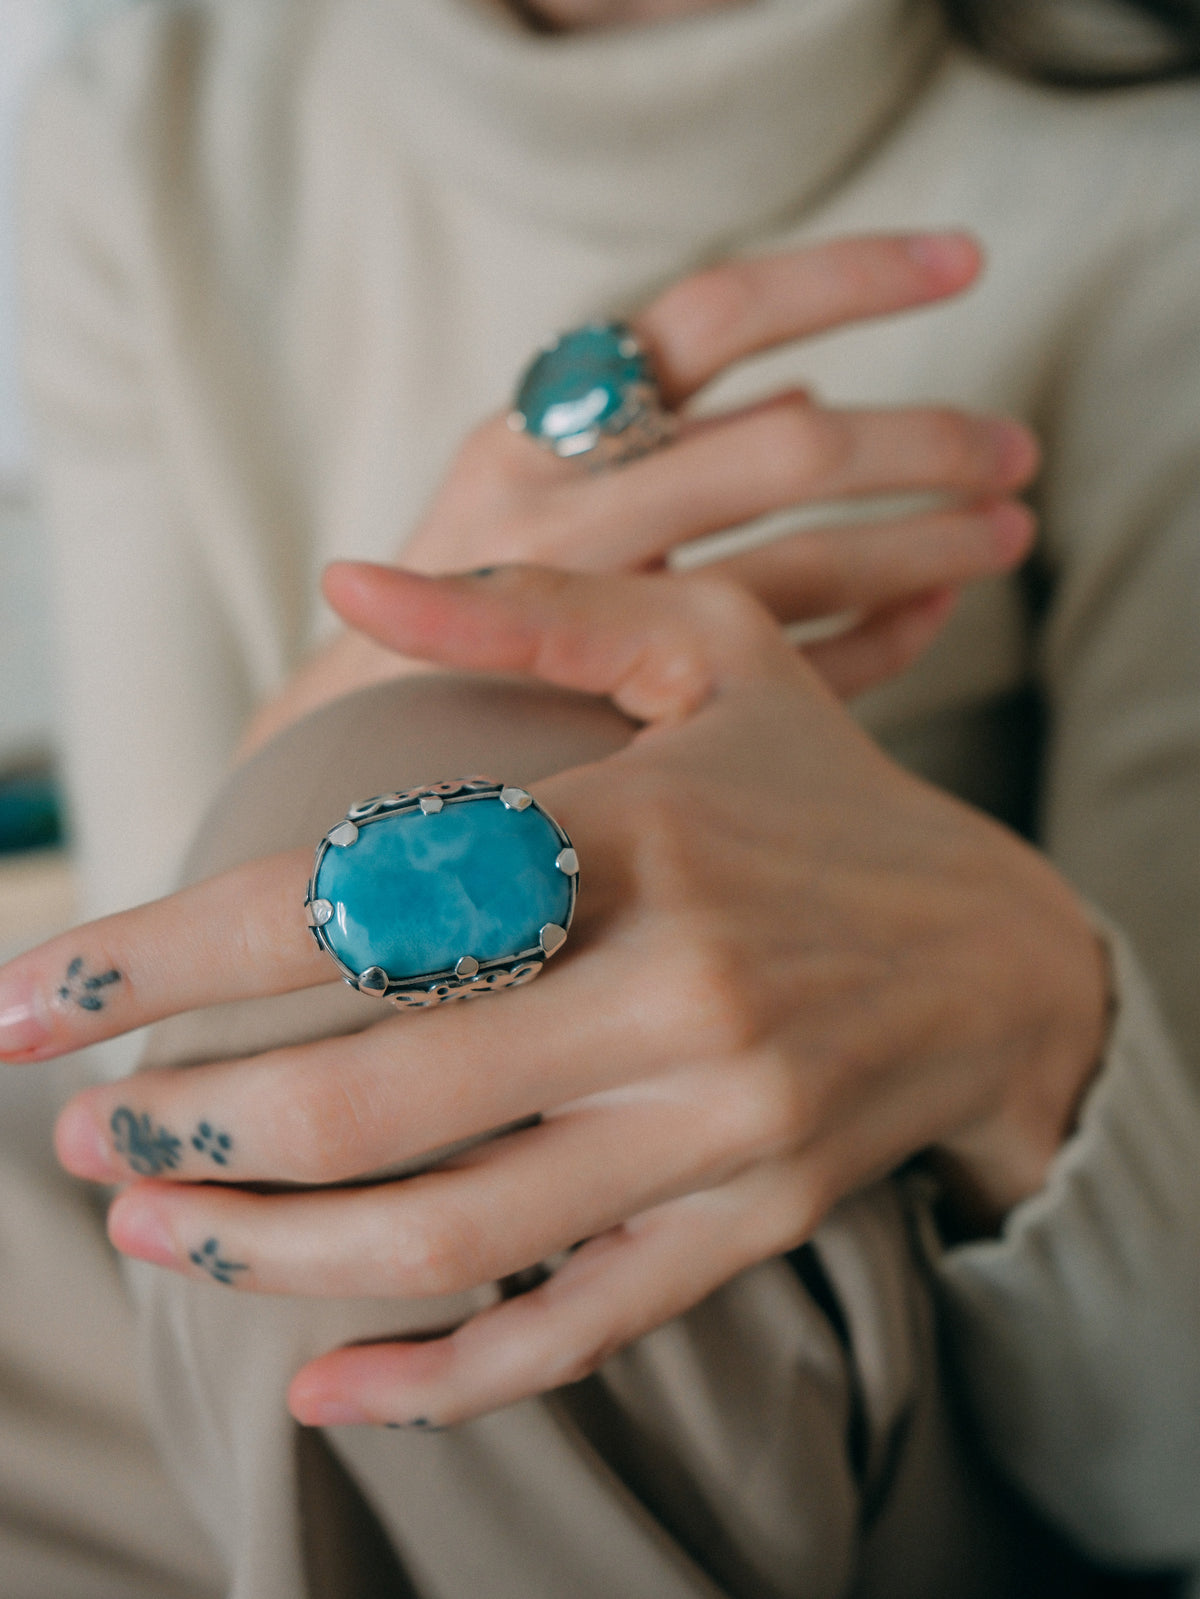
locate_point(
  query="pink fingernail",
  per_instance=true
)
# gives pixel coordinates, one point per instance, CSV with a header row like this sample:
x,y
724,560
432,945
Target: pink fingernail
x,y
83,1148
24,1018
138,1229
949,255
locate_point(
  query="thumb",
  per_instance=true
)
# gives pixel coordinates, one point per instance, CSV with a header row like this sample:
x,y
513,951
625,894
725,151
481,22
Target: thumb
x,y
658,645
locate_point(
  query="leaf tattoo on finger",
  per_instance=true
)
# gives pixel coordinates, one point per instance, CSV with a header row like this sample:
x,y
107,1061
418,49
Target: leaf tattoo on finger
x,y
86,991
210,1259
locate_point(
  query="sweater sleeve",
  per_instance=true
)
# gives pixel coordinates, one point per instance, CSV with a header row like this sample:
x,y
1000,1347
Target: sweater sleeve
x,y
1077,1332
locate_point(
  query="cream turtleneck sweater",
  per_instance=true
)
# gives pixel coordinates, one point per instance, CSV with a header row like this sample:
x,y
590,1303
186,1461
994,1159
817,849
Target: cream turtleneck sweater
x,y
280,254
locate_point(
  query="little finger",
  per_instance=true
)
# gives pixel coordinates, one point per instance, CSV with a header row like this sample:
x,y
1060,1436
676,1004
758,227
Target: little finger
x,y
882,646
614,1289
825,571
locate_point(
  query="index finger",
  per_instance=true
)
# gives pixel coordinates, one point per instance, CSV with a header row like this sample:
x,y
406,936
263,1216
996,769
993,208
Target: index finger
x,y
707,321
236,936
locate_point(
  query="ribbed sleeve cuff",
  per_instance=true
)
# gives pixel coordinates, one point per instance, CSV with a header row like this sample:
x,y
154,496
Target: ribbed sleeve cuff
x,y
1076,1333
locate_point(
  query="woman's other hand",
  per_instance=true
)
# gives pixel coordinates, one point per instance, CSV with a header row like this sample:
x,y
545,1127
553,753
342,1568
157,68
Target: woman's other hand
x,y
793,966
505,500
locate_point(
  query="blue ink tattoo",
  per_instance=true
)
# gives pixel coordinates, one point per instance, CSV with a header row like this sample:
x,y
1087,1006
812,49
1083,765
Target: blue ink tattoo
x,y
149,1150
86,992
207,1141
210,1259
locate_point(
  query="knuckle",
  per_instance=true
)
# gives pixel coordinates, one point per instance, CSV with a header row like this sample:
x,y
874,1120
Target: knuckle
x,y
708,1001
712,308
769,1107
438,1252
803,446
321,1127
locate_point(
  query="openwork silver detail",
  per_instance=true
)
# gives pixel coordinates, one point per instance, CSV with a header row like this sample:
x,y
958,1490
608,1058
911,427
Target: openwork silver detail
x,y
469,976
443,993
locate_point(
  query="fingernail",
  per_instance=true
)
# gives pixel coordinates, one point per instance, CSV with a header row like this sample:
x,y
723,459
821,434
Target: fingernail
x,y
335,1413
24,1022
1014,452
82,1147
948,255
138,1229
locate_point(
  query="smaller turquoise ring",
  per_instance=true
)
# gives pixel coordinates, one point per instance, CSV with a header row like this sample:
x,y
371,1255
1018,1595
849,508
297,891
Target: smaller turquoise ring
x,y
442,892
592,392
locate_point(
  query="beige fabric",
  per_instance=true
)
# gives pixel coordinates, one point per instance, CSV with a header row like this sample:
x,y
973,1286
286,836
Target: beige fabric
x,y
86,1511
712,1458
280,253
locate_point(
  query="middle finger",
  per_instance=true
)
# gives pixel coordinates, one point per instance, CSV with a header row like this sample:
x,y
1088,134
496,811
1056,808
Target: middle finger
x,y
345,1107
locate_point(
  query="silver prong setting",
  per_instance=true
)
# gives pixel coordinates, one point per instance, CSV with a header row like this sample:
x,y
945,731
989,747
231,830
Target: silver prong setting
x,y
515,799
466,966
552,937
567,862
318,912
343,835
431,804
373,981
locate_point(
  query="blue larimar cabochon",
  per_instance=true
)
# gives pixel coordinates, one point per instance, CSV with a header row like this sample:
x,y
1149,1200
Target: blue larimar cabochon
x,y
414,893
582,382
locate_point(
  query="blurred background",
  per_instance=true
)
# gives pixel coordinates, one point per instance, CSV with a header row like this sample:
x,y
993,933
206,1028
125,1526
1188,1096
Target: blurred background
x,y
36,896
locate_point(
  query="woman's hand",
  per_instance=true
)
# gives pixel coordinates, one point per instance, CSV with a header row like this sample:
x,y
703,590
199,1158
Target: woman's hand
x,y
793,966
505,500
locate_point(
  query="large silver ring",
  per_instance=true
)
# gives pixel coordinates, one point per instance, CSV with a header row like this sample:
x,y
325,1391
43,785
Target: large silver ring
x,y
592,392
443,892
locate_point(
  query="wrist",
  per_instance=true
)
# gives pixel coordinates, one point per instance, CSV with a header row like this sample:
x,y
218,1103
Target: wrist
x,y
992,1164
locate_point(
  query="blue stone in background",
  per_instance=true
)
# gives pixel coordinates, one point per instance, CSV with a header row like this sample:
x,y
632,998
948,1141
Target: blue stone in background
x,y
416,892
581,383
30,811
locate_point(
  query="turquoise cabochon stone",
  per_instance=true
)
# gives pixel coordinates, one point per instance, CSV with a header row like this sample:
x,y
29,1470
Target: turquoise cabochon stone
x,y
581,382
414,893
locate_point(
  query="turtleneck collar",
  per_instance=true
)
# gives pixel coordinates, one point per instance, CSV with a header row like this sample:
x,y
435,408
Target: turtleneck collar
x,y
706,128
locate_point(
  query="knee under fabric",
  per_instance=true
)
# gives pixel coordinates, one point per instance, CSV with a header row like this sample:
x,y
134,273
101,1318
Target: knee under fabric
x,y
750,1448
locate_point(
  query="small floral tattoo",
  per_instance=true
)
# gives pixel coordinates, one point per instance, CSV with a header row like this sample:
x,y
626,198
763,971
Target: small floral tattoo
x,y
148,1149
206,1140
210,1259
84,991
